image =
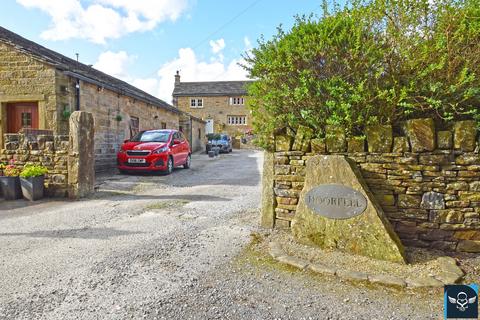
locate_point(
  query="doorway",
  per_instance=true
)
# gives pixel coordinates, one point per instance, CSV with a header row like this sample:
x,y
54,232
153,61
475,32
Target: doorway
x,y
209,126
22,115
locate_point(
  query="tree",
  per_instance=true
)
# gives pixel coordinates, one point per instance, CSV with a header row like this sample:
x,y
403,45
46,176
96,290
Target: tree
x,y
376,61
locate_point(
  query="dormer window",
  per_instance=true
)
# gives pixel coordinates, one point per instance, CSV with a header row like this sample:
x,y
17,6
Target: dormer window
x,y
237,101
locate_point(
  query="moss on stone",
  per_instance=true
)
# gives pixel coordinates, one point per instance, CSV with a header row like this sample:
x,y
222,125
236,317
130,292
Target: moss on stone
x,y
379,138
421,133
335,138
465,135
283,143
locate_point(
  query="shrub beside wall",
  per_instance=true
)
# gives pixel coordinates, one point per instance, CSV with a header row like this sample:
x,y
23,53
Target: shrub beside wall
x,y
427,181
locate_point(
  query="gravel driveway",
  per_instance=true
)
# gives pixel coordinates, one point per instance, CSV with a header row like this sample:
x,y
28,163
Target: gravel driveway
x,y
171,247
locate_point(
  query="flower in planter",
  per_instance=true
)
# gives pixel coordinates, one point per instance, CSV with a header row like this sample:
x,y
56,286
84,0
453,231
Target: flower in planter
x,y
11,170
2,167
32,170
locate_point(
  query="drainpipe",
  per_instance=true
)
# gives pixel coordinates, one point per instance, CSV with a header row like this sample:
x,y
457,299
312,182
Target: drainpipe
x,y
191,134
77,95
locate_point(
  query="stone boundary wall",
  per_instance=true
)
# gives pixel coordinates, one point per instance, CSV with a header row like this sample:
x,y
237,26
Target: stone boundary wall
x,y
427,181
50,151
68,158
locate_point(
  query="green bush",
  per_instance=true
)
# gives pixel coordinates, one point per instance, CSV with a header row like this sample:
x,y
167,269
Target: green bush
x,y
31,171
213,136
377,61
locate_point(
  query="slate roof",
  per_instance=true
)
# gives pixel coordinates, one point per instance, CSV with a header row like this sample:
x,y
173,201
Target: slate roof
x,y
77,69
211,88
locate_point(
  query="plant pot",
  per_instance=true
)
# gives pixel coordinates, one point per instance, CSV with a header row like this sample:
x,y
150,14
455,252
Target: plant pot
x,y
33,188
11,188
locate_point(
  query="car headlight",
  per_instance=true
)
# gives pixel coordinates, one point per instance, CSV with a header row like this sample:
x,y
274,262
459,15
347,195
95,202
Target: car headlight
x,y
161,150
122,151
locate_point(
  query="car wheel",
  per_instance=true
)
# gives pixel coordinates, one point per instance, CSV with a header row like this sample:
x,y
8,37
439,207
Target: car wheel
x,y
188,162
169,165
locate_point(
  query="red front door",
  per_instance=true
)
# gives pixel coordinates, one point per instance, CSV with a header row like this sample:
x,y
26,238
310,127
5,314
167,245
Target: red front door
x,y
22,115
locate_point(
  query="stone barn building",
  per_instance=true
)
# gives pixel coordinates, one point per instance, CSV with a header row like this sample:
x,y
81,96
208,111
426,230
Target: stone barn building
x,y
40,88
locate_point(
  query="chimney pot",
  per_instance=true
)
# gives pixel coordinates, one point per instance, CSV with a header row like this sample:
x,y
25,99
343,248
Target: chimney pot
x,y
177,77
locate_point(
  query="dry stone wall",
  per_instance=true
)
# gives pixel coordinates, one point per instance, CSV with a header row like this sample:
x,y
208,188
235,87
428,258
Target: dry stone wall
x,y
427,181
68,158
50,151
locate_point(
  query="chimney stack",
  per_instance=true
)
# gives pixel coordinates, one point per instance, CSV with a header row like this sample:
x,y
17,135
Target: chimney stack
x,y
177,77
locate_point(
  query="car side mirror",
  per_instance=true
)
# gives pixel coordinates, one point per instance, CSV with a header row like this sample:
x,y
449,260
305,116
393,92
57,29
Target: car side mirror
x,y
125,141
176,141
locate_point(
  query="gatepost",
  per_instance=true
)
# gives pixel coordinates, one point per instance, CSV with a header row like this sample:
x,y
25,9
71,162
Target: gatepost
x,y
81,158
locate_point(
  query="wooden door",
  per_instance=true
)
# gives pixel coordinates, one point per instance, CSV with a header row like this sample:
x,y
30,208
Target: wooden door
x,y
22,115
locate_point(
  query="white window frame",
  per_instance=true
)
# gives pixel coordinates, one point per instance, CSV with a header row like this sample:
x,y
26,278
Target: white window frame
x,y
237,101
237,120
196,103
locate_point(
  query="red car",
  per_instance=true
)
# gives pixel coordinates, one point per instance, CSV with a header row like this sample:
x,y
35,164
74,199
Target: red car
x,y
154,150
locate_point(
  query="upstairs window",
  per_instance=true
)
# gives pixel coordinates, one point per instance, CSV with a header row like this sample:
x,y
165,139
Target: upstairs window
x,y
196,103
237,101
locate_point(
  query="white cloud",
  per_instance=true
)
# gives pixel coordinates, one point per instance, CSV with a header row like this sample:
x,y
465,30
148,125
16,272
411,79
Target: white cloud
x,y
149,85
104,19
247,43
114,63
217,45
191,67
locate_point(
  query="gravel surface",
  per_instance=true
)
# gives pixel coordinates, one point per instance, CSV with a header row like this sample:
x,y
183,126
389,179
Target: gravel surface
x,y
171,247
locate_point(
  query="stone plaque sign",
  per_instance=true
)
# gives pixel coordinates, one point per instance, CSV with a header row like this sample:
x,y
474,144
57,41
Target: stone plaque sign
x,y
336,210
335,201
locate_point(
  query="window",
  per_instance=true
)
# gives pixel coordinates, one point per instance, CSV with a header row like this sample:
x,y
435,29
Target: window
x,y
164,125
134,126
237,120
178,136
196,103
180,128
237,101
199,134
26,120
151,136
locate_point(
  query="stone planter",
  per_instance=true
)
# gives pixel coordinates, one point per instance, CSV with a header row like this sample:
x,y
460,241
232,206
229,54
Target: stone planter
x,y
11,188
33,188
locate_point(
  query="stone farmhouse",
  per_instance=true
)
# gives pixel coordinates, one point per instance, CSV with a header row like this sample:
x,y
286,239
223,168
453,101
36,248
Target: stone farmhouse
x,y
222,104
40,88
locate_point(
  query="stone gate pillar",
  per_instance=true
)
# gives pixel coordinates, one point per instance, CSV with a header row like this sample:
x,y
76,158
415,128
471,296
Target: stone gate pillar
x,y
81,158
268,197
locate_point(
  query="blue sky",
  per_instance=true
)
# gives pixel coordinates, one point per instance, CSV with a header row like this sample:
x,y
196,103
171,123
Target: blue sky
x,y
145,41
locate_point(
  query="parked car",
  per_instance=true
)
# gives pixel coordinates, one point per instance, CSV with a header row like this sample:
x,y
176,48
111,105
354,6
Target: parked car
x,y
154,150
223,141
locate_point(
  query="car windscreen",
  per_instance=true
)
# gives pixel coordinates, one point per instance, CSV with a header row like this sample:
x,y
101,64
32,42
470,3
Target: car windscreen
x,y
151,136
